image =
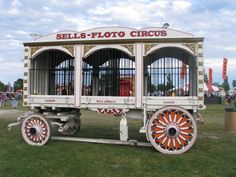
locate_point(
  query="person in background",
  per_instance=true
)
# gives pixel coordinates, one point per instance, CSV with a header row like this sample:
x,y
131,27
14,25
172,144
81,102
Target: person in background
x,y
3,98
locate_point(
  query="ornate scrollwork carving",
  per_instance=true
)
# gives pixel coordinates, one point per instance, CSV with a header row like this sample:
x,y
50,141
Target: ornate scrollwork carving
x,y
191,46
34,49
70,48
130,48
87,48
148,47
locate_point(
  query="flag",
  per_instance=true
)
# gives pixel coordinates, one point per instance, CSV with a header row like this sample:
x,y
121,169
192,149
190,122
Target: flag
x,y
210,80
224,70
183,71
210,76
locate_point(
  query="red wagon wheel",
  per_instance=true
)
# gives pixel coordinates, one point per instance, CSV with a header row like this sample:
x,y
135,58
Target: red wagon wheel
x,y
172,130
36,130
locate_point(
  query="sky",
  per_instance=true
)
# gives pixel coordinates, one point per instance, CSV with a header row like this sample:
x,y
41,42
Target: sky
x,y
213,19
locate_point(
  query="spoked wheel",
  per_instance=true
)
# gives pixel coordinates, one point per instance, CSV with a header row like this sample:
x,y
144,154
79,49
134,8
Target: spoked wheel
x,y
71,127
172,130
36,130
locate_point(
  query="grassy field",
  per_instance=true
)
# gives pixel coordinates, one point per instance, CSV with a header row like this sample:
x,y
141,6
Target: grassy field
x,y
214,153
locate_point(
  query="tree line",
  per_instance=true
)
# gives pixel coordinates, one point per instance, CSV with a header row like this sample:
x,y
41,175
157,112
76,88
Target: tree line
x,y
17,85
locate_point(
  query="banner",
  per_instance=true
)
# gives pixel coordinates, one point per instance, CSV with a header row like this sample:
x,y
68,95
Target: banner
x,y
183,71
224,70
210,76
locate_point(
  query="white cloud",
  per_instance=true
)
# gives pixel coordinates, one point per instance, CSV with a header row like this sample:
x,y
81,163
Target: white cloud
x,y
181,5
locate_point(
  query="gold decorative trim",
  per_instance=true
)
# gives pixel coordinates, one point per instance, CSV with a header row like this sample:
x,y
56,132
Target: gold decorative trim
x,y
130,48
200,81
34,49
191,46
148,47
200,63
200,98
87,48
200,90
70,48
200,54
201,73
200,46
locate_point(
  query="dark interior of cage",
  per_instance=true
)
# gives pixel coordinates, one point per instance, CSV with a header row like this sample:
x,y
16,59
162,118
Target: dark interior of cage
x,y
168,71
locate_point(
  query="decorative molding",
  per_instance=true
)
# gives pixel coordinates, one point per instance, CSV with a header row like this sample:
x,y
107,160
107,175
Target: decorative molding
x,y
200,54
87,48
201,98
70,48
34,49
191,46
25,74
200,90
200,81
130,48
26,50
201,73
26,57
200,46
147,47
200,63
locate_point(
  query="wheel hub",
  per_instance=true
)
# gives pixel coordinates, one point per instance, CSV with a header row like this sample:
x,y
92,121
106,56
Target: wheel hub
x,y
172,131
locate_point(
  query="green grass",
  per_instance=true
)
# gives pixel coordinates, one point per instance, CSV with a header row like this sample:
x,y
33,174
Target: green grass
x,y
214,153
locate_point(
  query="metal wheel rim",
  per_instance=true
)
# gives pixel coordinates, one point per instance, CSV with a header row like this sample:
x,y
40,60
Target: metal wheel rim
x,y
36,130
172,130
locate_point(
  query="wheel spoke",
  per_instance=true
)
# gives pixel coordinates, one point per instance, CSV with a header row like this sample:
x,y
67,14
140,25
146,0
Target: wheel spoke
x,y
172,129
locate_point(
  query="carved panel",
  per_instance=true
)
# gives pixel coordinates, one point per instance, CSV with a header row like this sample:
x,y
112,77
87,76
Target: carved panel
x,y
130,48
34,49
87,48
70,48
191,46
147,47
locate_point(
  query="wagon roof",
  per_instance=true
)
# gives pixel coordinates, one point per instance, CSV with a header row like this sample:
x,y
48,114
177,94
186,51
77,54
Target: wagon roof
x,y
115,35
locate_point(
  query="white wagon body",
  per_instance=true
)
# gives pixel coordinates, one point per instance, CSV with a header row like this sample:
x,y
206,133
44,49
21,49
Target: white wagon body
x,y
154,74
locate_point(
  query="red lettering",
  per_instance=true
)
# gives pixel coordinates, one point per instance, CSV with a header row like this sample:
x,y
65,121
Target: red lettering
x,y
107,34
151,33
157,33
121,34
94,35
133,33
64,36
83,35
58,37
100,35
144,33
163,33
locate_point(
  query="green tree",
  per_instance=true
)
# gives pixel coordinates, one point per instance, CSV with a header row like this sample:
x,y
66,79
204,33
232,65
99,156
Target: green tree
x,y
234,83
2,87
225,84
18,84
